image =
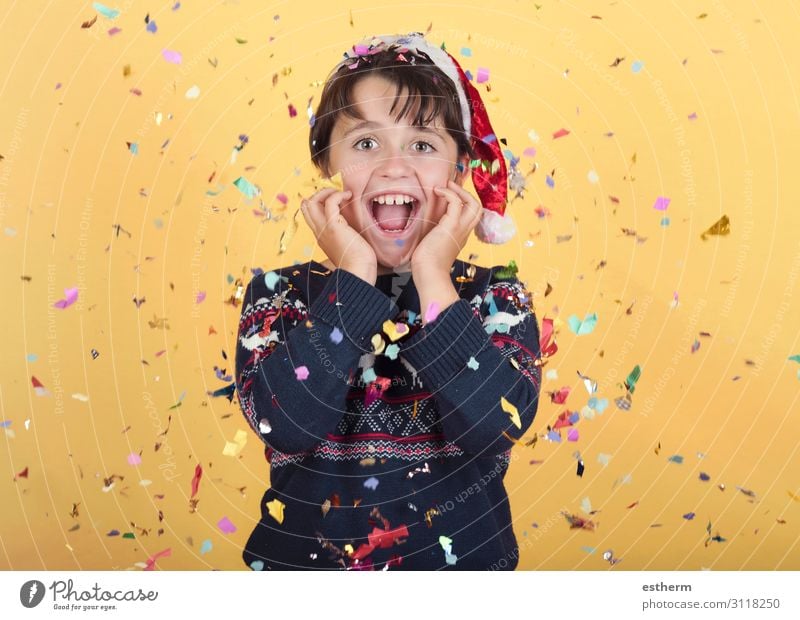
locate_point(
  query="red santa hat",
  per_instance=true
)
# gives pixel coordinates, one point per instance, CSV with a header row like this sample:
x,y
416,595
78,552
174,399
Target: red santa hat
x,y
489,174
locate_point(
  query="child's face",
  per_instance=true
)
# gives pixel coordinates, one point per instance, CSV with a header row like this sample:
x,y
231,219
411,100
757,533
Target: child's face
x,y
385,159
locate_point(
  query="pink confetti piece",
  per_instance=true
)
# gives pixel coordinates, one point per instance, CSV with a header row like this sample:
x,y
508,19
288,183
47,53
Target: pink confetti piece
x,y
134,459
226,526
113,31
172,56
361,50
301,372
151,561
572,434
292,111
483,75
432,311
661,203
282,198
529,152
201,295
71,297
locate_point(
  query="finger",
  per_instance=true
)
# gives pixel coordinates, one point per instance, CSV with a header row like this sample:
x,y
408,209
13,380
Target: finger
x,y
455,204
333,206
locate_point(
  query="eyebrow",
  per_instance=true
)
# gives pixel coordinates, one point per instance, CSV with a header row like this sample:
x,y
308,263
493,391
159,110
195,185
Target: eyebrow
x,y
372,125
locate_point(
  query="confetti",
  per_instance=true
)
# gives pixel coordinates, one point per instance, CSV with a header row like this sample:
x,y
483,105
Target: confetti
x,y
483,75
198,473
134,459
661,203
721,227
432,311
71,296
172,56
275,508
371,483
512,412
104,10
301,372
151,561
205,547
246,187
225,525
584,327
38,387
193,92
473,363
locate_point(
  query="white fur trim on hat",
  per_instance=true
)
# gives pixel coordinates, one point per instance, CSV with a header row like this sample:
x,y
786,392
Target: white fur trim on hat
x,y
495,228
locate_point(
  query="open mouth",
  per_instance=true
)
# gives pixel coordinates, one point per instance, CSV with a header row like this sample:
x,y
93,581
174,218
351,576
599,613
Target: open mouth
x,y
393,214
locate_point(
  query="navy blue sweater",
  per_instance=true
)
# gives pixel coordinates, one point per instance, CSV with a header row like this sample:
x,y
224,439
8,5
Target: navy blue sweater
x,y
387,440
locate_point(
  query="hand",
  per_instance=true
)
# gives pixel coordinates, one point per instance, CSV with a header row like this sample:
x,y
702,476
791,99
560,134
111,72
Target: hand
x,y
342,244
442,245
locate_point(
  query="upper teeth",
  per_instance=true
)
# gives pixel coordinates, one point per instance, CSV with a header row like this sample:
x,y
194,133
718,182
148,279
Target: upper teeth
x,y
393,199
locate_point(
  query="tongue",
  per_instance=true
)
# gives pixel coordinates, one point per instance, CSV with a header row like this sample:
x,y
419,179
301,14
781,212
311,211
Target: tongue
x,y
391,217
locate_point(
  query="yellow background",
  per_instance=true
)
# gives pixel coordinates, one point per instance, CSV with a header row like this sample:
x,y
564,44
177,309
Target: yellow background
x,y
68,177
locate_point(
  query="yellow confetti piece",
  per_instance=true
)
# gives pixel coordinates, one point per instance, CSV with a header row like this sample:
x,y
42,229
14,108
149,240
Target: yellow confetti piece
x,y
288,234
377,344
721,227
512,412
335,182
394,330
275,508
793,496
233,448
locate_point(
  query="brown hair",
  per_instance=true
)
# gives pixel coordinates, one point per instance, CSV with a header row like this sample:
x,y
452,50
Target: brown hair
x,y
428,88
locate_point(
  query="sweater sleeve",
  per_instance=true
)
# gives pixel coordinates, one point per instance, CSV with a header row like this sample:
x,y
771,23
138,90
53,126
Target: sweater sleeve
x,y
293,361
472,363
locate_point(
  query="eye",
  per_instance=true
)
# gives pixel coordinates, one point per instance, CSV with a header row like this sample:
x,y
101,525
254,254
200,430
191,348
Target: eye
x,y
361,141
429,149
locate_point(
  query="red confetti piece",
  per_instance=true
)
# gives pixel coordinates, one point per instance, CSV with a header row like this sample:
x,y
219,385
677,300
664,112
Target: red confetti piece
x,y
22,474
560,133
198,473
292,111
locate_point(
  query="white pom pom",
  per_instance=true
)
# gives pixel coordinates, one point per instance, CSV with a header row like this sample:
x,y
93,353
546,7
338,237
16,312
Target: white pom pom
x,y
495,228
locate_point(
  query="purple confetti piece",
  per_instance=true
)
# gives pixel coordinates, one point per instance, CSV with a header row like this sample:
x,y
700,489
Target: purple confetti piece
x,y
704,476
661,204
483,75
226,526
572,434
172,56
301,372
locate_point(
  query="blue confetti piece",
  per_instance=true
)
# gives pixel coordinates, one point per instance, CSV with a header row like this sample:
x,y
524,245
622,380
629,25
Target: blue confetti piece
x,y
257,272
246,187
371,483
589,549
271,279
104,10
205,546
704,476
5,423
134,148
689,516
411,316
676,458
257,565
158,223
550,182
392,350
468,74
554,436
465,51
369,375
491,138
230,279
32,357
151,26
637,66
664,222
336,335
574,417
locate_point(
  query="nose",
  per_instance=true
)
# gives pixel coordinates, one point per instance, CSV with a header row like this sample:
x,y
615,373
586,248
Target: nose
x,y
394,163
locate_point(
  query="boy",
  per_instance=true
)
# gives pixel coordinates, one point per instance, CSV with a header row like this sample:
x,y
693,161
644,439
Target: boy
x,y
390,382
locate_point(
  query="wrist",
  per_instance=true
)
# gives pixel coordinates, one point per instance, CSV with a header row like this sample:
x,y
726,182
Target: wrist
x,y
369,275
